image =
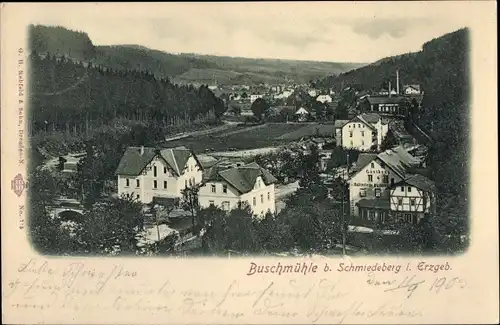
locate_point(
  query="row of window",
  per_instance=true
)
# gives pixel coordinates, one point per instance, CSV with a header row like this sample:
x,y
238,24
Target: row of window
x,y
359,126
351,133
213,188
412,201
191,182
254,201
165,171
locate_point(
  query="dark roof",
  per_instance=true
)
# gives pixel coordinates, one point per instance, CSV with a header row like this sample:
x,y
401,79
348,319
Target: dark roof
x,y
385,100
243,178
370,117
133,162
363,160
399,160
380,203
340,123
419,181
417,87
360,119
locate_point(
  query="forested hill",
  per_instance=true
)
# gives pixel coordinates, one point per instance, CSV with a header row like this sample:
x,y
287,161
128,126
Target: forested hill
x,y
436,57
60,41
183,68
69,96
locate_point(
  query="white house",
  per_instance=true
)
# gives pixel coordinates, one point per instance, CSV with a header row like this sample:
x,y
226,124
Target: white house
x,y
364,132
373,174
254,97
250,183
411,89
149,173
313,92
302,114
324,99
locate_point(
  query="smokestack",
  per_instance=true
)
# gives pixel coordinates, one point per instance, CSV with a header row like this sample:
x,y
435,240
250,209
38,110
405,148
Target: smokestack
x,y
389,89
397,81
142,150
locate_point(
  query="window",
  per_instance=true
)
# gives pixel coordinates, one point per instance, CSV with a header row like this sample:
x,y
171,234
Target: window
x,y
409,189
268,196
164,184
185,183
190,182
359,125
138,196
392,181
400,201
254,201
385,179
372,165
370,178
354,125
212,188
262,198
154,171
402,188
408,217
362,133
127,182
412,202
378,192
194,181
191,168
211,203
350,134
137,183
362,142
164,170
224,188
155,184
362,192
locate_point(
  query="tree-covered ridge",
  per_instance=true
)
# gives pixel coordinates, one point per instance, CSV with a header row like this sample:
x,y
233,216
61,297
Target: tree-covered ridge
x,y
67,95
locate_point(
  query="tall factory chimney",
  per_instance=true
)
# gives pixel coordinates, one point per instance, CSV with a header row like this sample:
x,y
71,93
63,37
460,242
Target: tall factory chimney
x,y
397,82
389,89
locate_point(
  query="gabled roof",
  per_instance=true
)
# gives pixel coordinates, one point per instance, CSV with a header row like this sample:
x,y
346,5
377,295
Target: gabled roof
x,y
243,178
302,110
419,181
363,160
399,160
370,117
133,162
414,86
358,118
385,99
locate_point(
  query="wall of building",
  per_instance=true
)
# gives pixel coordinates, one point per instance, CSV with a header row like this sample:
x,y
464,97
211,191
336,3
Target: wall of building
x,y
206,197
174,185
361,139
406,193
263,202
361,182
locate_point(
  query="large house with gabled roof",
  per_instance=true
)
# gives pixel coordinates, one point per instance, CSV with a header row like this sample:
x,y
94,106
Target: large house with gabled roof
x,y
149,173
364,132
226,187
375,187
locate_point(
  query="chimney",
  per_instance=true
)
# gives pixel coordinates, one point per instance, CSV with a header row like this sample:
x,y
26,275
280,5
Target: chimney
x,y
397,81
142,150
389,89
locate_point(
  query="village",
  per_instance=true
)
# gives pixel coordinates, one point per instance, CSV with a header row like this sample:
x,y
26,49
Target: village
x,y
371,158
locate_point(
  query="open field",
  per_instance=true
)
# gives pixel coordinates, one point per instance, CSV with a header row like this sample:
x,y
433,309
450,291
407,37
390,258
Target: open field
x,y
253,137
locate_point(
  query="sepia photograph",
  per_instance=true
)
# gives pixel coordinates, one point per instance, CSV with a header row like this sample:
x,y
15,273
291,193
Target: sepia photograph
x,y
249,163
163,146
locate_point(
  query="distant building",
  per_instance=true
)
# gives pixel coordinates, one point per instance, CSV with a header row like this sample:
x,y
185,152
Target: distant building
x,y
324,99
364,132
389,105
302,114
250,183
411,90
338,130
149,173
373,174
254,97
313,92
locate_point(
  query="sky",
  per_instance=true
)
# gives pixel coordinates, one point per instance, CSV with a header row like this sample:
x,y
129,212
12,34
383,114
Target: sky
x,y
318,31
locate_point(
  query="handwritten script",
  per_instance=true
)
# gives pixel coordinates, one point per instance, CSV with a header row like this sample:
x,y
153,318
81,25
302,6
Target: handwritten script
x,y
78,288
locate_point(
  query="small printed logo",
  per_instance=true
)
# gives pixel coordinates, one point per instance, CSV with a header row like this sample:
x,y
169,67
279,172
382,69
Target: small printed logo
x,y
18,185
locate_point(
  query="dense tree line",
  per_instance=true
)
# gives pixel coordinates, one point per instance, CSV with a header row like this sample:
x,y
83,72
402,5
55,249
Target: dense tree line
x,y
67,95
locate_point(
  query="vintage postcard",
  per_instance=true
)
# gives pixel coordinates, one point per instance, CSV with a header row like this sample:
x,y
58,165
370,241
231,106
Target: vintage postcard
x,y
249,163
